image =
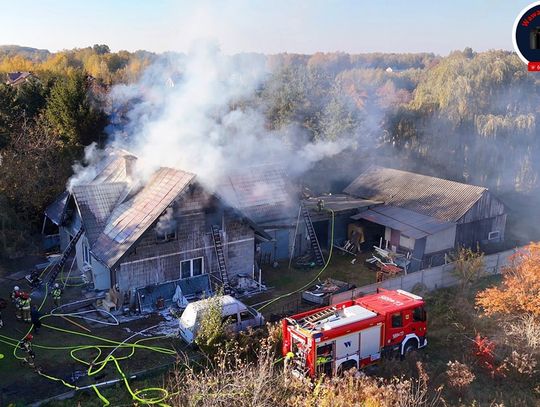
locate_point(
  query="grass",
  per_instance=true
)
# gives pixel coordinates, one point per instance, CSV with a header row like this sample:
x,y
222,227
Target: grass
x,y
283,280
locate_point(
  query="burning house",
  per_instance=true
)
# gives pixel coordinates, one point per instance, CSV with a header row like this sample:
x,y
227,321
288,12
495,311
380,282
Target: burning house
x,y
171,228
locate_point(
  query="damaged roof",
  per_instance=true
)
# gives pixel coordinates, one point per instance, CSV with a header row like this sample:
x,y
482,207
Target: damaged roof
x,y
435,197
95,203
409,223
260,192
130,219
339,203
55,211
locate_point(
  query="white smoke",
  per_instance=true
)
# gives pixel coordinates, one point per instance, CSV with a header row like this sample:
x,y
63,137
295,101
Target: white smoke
x,y
195,113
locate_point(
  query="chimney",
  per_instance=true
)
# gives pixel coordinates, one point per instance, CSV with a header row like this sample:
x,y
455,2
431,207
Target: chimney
x,y
130,165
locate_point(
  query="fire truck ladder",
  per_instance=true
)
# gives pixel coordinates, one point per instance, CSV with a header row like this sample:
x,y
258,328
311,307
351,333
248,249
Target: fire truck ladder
x,y
60,264
222,277
314,318
315,247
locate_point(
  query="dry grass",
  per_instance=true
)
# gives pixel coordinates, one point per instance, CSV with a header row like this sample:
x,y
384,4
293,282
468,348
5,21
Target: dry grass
x,y
525,329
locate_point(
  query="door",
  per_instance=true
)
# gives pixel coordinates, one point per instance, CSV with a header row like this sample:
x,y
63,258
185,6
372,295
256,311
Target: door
x,y
347,346
370,341
394,237
396,329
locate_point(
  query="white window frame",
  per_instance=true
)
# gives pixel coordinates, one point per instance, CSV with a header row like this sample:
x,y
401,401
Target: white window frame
x,y
87,259
191,267
497,234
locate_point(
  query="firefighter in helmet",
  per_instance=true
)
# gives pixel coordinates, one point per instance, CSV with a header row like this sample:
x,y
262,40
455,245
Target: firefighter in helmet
x,y
56,294
25,304
16,300
288,359
26,345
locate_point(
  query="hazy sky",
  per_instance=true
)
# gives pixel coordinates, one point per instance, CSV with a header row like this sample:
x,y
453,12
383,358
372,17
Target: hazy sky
x,y
269,26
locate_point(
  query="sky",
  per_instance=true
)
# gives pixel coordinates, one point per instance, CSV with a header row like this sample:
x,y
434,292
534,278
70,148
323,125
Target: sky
x,y
271,26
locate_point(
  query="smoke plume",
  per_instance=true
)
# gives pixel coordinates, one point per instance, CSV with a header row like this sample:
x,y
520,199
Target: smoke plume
x,y
197,113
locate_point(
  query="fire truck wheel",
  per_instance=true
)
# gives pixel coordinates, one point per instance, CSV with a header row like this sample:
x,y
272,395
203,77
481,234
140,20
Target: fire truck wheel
x,y
410,346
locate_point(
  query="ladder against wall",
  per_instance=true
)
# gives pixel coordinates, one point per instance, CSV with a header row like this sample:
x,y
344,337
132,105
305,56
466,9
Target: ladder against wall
x,y
222,278
57,267
314,242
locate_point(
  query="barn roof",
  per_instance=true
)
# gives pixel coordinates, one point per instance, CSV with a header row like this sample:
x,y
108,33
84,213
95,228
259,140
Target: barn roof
x,y
129,220
412,224
435,197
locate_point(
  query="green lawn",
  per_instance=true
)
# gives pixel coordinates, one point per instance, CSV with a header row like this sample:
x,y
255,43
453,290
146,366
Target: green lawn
x,y
283,280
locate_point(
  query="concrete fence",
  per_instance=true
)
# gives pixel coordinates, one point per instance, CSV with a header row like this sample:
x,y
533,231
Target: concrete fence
x,y
430,278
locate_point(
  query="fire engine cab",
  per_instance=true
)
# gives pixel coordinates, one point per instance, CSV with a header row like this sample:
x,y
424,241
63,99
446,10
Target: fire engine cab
x,y
354,333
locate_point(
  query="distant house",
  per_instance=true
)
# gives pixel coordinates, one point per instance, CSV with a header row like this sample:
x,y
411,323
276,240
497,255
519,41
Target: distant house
x,y
428,216
171,228
18,78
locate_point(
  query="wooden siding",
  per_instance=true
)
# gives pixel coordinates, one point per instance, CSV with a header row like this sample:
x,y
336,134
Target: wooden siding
x,y
486,207
150,261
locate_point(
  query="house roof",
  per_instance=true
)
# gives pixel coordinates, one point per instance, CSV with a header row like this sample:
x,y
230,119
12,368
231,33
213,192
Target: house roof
x,y
17,77
95,203
260,192
55,211
409,223
129,220
435,197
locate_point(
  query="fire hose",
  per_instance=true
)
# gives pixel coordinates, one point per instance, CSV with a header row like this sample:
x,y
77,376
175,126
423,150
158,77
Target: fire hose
x,y
95,365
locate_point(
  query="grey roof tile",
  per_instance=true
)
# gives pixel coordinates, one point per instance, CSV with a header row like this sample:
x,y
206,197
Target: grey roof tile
x,y
435,197
130,219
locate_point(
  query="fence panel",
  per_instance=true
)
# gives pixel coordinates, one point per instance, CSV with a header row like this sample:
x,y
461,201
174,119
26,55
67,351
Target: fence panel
x,y
432,278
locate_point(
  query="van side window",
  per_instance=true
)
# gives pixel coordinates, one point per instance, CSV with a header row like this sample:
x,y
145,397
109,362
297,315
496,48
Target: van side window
x,y
230,319
397,321
419,314
245,315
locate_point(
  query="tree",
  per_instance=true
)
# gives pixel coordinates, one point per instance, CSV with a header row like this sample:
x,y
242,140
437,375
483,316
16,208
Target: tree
x,y
519,292
468,265
212,327
70,112
101,49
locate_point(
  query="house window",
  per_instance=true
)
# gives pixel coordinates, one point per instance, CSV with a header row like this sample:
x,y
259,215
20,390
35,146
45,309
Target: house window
x,y
191,268
166,236
495,235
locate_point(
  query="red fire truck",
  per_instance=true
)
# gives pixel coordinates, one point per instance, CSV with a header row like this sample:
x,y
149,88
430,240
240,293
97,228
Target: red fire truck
x,y
354,333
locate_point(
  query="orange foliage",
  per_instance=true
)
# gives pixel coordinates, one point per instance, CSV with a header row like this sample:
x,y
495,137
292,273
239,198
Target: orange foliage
x,y
519,292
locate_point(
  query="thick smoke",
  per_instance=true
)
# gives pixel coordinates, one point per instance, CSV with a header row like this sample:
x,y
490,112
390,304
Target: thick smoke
x,y
197,113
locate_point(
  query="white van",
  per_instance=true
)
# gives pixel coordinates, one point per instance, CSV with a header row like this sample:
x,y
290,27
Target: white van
x,y
240,316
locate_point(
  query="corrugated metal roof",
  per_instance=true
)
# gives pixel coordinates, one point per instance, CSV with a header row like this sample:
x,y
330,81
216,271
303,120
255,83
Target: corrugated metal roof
x,y
95,203
260,192
56,210
412,224
130,219
435,197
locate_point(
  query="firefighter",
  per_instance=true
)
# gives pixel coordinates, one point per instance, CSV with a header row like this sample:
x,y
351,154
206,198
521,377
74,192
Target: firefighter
x,y
1,321
18,306
25,305
15,294
320,205
26,345
56,294
288,359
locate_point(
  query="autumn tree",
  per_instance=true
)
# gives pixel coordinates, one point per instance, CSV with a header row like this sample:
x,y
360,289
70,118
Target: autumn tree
x,y
468,266
519,292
